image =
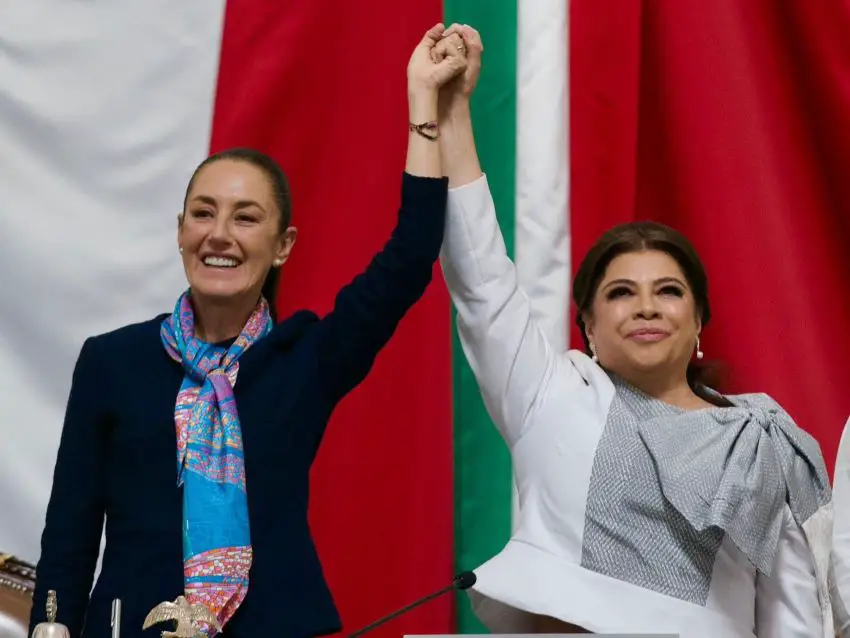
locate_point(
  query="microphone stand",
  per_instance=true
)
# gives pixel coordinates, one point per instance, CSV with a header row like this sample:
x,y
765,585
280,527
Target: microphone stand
x,y
462,581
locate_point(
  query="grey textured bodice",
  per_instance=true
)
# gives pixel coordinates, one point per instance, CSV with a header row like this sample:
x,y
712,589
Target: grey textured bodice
x,y
667,484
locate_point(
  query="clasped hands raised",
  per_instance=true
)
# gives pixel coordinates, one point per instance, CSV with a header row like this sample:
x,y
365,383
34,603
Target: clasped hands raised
x,y
445,65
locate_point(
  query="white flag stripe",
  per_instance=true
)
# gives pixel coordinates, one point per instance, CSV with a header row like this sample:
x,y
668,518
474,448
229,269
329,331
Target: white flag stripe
x,y
542,243
105,108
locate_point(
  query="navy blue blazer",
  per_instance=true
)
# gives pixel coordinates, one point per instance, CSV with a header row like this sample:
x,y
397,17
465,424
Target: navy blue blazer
x,y
117,455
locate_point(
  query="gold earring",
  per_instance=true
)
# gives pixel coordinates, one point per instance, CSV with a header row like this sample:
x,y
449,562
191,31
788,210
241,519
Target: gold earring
x,y
181,250
700,353
277,263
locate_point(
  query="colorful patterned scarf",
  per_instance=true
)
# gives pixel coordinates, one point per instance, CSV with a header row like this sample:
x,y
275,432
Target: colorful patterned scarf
x,y
210,464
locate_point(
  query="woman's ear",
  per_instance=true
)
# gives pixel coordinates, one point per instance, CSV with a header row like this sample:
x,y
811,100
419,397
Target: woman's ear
x,y
179,229
285,245
587,320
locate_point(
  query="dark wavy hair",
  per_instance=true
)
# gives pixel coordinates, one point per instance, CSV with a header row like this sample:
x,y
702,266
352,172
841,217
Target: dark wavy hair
x,y
637,237
282,198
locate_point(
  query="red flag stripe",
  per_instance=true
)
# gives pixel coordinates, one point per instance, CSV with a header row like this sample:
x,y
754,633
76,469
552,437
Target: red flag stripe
x,y
727,122
322,89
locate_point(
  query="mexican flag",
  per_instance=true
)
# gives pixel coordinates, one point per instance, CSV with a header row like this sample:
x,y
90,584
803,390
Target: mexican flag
x,y
725,120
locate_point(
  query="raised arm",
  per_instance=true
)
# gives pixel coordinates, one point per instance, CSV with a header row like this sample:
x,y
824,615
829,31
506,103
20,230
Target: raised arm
x,y
368,310
70,542
510,355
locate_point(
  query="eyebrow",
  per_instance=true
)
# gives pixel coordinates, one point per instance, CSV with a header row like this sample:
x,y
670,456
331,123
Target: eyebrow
x,y
240,203
657,282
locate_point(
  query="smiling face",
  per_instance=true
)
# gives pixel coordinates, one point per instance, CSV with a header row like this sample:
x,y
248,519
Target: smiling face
x,y
230,232
644,318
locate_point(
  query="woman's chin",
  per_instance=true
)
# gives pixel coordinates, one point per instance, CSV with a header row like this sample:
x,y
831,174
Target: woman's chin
x,y
649,360
220,292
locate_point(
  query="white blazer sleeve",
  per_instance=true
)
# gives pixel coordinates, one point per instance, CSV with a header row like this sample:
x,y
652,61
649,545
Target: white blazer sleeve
x,y
787,604
509,354
840,564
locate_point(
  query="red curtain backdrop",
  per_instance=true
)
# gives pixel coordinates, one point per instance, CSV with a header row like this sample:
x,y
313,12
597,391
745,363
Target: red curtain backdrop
x,y
730,121
321,86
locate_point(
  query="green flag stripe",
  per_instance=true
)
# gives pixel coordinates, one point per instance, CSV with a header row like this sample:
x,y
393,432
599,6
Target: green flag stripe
x,y
482,463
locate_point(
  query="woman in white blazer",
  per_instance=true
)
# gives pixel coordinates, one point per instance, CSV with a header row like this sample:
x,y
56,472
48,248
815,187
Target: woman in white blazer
x,y
647,502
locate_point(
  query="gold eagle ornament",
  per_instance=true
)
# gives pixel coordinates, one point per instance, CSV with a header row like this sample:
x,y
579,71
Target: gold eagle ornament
x,y
185,614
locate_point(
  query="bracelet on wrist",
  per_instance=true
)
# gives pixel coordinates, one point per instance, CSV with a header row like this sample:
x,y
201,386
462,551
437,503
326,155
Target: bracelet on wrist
x,y
428,130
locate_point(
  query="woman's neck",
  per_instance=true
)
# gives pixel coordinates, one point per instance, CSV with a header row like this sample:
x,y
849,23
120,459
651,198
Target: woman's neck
x,y
671,390
217,321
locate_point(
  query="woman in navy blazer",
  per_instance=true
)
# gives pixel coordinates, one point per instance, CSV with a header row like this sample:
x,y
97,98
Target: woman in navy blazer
x,y
226,524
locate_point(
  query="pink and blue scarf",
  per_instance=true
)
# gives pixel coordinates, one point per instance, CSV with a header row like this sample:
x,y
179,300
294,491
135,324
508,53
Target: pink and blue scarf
x,y
210,463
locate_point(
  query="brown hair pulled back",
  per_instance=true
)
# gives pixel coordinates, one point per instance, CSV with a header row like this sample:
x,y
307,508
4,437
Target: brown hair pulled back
x,y
280,192
637,237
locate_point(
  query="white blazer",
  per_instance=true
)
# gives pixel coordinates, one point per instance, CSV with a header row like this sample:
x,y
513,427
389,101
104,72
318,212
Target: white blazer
x,y
586,548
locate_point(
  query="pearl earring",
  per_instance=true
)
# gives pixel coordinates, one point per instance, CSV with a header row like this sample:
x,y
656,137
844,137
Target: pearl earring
x,y
181,250
700,353
593,358
277,263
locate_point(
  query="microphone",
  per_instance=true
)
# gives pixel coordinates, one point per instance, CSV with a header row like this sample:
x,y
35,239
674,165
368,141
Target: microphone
x,y
462,581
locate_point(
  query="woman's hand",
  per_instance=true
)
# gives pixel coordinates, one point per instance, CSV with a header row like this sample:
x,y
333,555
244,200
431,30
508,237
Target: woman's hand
x,y
426,73
425,76
455,94
459,159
